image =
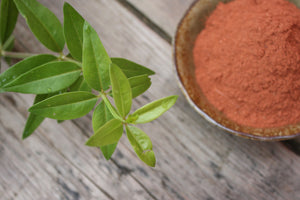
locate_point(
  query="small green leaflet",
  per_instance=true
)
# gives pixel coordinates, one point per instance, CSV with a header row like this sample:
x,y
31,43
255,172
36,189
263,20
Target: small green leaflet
x,y
121,90
111,108
8,18
43,23
102,115
65,106
141,144
152,110
139,84
95,61
33,121
24,66
130,68
109,133
80,85
47,78
73,31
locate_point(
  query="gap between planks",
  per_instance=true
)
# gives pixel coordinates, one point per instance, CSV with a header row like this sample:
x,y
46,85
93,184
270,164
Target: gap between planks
x,y
146,20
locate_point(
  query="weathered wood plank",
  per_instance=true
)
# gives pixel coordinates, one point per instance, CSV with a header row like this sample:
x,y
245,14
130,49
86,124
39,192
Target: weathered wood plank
x,y
166,14
195,160
67,142
32,169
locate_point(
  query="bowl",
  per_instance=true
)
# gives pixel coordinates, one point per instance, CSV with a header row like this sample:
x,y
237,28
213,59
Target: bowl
x,y
189,27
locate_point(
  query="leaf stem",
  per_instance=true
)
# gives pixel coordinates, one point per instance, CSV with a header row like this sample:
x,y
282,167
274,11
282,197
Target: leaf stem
x,y
110,107
23,55
8,42
65,58
20,55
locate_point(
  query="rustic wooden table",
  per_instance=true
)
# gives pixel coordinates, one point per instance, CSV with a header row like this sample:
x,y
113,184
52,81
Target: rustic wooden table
x,y
194,159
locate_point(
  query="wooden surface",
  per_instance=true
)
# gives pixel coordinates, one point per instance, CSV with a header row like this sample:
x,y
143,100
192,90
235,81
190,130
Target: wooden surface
x,y
194,159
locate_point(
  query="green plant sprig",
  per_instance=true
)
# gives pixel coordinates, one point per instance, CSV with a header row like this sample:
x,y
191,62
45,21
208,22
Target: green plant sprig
x,y
69,86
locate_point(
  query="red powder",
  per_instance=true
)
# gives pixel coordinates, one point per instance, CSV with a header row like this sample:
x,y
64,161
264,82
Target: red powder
x,y
248,62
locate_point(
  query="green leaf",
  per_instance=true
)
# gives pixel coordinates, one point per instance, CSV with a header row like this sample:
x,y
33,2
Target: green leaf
x,y
130,68
47,78
43,24
65,106
33,121
73,31
102,115
95,61
80,85
152,110
109,133
121,90
141,144
8,19
24,66
139,84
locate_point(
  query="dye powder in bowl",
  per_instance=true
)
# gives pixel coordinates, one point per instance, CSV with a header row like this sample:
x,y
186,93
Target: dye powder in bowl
x,y
247,67
248,62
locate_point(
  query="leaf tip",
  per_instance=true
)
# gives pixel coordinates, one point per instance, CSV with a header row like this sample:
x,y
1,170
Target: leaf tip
x,y
107,157
175,97
172,99
151,72
31,109
26,133
152,161
89,142
66,5
24,136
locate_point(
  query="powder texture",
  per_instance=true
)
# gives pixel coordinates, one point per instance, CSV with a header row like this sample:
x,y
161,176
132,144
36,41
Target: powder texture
x,y
248,62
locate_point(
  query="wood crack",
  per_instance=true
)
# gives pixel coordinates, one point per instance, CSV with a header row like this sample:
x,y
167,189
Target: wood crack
x,y
84,174
124,171
141,16
292,145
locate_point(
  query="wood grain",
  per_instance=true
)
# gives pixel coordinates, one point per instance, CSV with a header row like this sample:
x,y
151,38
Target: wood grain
x,y
166,14
33,169
195,159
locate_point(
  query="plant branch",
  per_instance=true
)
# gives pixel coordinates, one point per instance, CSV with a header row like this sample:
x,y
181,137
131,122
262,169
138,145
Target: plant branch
x,y
71,60
20,55
23,55
8,42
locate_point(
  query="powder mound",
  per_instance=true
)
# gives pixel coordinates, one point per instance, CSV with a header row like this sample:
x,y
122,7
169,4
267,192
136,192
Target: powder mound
x,y
248,62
